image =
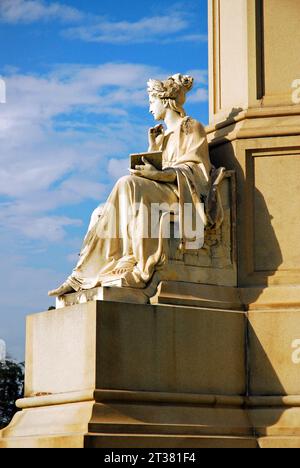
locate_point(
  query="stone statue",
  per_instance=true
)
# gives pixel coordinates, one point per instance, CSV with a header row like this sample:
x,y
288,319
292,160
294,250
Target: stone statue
x,y
116,245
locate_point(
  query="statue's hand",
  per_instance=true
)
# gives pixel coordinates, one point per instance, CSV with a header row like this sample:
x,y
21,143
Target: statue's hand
x,y
148,171
155,136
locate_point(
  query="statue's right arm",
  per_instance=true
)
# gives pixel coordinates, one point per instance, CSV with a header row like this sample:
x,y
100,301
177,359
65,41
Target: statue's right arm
x,y
155,137
169,176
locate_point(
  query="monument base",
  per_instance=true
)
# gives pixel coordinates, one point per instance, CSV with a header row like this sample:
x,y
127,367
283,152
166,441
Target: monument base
x,y
120,375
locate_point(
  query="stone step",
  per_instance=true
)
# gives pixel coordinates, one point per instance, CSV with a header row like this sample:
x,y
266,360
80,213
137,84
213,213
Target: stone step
x,y
169,429
279,442
152,441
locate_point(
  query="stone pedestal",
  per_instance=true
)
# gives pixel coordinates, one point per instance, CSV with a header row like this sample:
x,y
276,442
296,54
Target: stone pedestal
x,y
106,374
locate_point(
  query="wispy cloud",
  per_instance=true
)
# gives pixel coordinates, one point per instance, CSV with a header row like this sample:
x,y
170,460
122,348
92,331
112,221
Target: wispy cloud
x,y
200,95
200,76
117,168
29,11
45,228
190,38
163,29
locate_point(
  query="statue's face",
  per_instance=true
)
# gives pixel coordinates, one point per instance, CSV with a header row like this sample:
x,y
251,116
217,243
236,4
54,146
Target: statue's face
x,y
157,108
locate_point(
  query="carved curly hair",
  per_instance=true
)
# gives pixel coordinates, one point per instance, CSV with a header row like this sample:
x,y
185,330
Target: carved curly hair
x,y
170,88
172,91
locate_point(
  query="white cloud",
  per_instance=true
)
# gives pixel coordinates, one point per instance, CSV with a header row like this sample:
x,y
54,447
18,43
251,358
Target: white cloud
x,y
200,76
125,32
48,228
163,29
118,168
194,38
200,95
29,11
173,39
73,258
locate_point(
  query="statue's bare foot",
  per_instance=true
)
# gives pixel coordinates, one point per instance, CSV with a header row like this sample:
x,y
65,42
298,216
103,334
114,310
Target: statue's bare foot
x,y
61,291
121,271
123,267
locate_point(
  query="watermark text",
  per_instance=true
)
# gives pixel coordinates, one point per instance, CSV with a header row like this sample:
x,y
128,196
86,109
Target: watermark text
x,y
123,220
296,91
296,352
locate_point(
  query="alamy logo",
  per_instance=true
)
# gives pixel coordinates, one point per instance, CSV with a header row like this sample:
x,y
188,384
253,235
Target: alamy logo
x,y
2,91
296,92
296,353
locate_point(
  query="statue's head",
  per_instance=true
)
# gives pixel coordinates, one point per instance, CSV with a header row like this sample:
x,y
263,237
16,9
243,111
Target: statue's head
x,y
169,94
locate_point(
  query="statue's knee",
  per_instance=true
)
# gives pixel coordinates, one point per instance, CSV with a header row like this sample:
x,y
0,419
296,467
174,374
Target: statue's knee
x,y
125,181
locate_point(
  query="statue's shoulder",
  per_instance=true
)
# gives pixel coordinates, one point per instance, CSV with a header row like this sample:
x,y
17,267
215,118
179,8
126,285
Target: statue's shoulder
x,y
190,125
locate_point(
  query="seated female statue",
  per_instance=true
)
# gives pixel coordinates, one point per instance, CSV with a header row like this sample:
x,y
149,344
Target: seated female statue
x,y
116,245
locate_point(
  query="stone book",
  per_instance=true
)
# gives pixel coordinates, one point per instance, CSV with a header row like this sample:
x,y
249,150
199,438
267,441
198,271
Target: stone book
x,y
154,158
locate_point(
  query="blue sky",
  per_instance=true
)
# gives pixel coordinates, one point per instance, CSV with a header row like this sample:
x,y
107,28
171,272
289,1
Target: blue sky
x,y
76,73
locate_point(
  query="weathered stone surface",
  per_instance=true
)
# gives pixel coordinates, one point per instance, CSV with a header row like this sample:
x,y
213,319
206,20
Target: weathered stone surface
x,y
128,374
102,345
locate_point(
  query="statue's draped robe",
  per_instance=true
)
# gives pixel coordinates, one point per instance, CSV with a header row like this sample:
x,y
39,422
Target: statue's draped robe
x,y
124,218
